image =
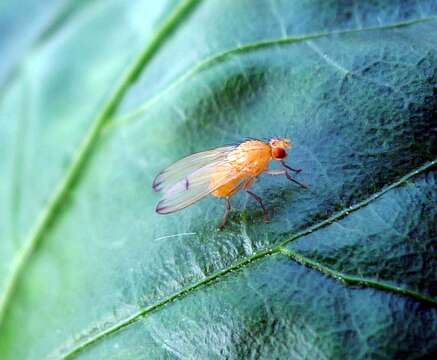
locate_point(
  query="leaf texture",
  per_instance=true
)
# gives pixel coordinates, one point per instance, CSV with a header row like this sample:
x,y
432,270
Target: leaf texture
x,y
98,97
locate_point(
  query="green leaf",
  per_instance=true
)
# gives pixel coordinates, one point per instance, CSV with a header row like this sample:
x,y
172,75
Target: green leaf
x,y
97,97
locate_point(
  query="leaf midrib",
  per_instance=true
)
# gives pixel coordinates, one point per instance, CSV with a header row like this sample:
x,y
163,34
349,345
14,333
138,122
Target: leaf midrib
x,y
277,249
73,173
84,150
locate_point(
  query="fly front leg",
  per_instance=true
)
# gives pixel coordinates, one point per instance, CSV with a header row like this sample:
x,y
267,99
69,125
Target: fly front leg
x,y
285,172
227,211
295,181
260,202
284,164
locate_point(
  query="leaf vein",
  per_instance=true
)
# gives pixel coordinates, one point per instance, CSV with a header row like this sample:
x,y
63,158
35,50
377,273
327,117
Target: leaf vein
x,y
267,252
211,60
353,279
79,161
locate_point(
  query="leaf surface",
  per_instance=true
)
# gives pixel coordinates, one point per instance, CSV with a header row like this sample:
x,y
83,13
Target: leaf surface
x,y
116,91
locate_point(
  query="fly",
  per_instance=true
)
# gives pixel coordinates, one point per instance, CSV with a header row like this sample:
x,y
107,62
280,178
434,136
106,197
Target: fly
x,y
221,172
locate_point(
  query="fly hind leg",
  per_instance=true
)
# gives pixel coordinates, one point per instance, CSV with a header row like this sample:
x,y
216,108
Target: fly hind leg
x,y
260,202
227,211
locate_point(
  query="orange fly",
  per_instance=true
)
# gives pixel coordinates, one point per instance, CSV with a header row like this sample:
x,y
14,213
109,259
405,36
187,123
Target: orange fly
x,y
221,172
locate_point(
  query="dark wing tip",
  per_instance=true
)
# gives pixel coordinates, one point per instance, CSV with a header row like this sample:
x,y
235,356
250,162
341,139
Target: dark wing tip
x,y
156,186
157,182
161,208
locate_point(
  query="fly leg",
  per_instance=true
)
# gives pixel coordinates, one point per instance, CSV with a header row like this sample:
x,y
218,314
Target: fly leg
x,y
285,172
227,211
284,164
260,202
276,172
295,181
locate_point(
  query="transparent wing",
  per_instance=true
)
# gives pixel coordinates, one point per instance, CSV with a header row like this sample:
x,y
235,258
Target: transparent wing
x,y
178,171
196,186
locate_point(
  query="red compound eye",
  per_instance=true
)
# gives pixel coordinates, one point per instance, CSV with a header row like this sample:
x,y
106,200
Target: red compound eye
x,y
279,153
